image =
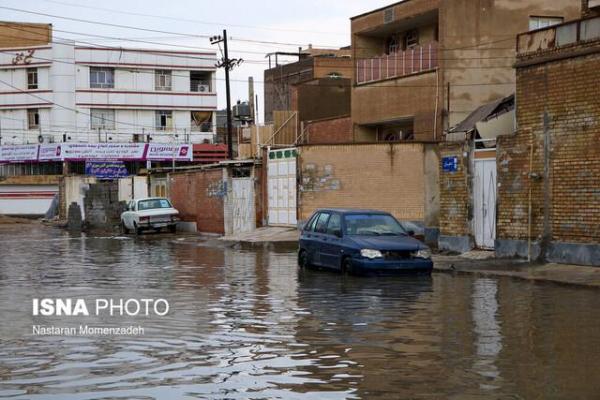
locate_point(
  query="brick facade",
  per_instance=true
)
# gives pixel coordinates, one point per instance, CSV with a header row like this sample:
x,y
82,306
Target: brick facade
x,y
454,193
558,116
389,177
198,196
330,130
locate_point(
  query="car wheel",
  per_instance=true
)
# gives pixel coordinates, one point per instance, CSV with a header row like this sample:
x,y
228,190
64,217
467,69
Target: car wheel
x,y
347,267
173,228
303,259
138,230
124,229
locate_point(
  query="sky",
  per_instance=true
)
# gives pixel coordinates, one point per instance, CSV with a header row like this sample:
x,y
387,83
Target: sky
x,y
293,23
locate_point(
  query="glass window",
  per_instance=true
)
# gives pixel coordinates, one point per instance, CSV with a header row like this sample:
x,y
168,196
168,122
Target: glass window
x,y
32,78
199,81
153,203
321,226
411,39
543,22
373,225
102,77
164,120
102,119
33,118
162,79
310,225
334,224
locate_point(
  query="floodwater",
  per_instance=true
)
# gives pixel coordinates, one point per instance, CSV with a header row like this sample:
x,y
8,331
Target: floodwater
x,y
248,325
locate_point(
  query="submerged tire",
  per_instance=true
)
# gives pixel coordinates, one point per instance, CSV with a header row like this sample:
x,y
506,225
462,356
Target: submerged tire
x,y
124,229
347,267
303,259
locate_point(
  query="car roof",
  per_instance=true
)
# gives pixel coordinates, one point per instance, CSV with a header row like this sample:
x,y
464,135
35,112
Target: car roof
x,y
352,211
151,198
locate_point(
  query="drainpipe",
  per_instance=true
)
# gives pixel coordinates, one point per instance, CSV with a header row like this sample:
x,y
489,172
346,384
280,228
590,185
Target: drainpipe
x,y
437,98
530,191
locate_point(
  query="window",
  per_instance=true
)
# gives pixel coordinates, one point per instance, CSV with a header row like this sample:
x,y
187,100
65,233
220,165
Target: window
x,y
543,22
393,46
153,204
164,120
321,226
411,39
199,82
33,118
162,79
102,77
32,78
334,224
102,119
373,225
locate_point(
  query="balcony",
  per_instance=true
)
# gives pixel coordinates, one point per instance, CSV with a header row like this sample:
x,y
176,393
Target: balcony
x,y
558,36
397,65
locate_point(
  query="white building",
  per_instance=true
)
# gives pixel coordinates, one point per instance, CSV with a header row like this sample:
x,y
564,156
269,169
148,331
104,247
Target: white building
x,y
61,92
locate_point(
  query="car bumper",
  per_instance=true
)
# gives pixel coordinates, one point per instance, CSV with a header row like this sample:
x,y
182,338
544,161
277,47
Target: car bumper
x,y
156,225
392,266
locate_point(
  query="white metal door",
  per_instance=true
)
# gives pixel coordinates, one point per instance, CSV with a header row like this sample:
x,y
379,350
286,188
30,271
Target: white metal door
x,y
484,192
282,187
244,216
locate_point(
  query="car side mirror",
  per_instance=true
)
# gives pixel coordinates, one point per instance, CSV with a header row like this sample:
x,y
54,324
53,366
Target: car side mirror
x,y
338,233
411,233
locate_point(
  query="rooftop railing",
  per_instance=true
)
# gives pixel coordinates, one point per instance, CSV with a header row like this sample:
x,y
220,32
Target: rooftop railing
x,y
557,36
399,64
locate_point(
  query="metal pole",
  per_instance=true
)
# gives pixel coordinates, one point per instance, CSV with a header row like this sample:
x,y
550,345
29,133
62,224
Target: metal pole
x,y
227,90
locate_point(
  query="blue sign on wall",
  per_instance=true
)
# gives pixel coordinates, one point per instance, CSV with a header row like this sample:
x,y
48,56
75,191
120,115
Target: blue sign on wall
x,y
450,164
106,169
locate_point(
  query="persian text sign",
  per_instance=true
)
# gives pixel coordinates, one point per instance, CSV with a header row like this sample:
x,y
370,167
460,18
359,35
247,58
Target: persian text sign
x,y
103,151
158,152
26,152
106,169
50,152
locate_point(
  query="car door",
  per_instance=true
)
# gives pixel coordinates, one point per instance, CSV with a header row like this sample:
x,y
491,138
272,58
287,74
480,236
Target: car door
x,y
331,242
307,238
318,236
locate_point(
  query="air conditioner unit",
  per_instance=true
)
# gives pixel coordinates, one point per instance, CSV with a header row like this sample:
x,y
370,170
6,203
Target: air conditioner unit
x,y
204,88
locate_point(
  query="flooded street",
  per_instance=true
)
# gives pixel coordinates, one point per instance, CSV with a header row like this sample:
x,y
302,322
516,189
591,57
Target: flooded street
x,y
248,324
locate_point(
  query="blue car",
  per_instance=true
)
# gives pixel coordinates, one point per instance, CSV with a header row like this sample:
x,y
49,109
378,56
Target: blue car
x,y
359,241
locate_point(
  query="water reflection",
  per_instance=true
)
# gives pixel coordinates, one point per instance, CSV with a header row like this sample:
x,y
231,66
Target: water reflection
x,y
249,324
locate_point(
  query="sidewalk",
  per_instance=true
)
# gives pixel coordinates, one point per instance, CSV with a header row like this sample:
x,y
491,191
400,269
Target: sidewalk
x,y
490,266
265,235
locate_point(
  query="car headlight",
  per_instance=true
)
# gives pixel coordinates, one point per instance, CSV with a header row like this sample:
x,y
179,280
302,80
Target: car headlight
x,y
370,253
423,253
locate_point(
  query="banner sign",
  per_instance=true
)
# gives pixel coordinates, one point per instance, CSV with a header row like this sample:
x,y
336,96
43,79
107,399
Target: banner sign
x,y
106,169
164,152
103,151
50,152
96,151
26,152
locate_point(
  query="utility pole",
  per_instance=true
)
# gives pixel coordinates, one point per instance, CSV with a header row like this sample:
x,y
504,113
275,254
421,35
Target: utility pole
x,y
228,64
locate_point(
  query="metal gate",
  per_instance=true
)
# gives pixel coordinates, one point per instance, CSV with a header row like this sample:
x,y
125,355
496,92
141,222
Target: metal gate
x,y
484,201
282,187
244,216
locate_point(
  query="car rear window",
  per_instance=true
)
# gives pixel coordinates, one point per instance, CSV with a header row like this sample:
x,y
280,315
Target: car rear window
x,y
153,203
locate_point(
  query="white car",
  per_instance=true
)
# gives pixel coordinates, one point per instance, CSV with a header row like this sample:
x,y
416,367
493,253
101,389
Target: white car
x,y
152,213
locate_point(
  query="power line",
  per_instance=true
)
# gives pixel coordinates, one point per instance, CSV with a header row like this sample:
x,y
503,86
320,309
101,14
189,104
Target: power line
x,y
163,17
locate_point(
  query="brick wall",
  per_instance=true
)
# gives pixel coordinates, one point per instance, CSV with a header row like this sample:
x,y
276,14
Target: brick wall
x,y
558,116
454,213
198,196
331,130
387,177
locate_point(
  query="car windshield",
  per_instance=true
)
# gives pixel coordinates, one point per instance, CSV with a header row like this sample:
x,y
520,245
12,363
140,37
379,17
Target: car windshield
x,y
153,203
372,225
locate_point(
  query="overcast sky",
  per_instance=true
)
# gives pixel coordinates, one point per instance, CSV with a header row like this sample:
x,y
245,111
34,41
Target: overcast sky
x,y
297,22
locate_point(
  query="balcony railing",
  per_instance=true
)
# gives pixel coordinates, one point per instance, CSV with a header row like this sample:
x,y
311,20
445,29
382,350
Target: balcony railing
x,y
556,36
395,65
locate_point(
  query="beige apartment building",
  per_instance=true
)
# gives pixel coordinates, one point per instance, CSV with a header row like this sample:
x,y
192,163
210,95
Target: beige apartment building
x,y
422,66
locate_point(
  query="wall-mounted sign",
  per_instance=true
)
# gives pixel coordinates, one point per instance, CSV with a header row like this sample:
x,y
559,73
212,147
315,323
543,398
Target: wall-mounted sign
x,y
106,169
450,164
163,152
24,57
